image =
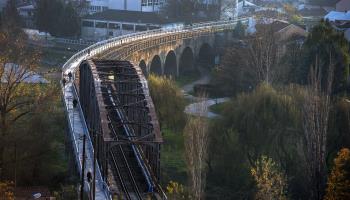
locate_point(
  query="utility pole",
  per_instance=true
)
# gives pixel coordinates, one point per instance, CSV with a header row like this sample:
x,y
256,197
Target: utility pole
x,y
15,165
94,167
83,170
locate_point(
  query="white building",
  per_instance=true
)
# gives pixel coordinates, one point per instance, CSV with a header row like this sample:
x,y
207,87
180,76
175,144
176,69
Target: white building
x,y
132,5
112,23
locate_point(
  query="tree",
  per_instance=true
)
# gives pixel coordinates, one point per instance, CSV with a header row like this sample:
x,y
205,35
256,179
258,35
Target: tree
x,y
169,102
239,31
17,62
338,185
57,18
6,191
315,111
232,76
270,182
322,42
10,16
196,145
262,57
176,191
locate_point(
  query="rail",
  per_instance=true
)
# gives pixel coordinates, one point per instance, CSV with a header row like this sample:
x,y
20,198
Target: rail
x,y
188,31
99,47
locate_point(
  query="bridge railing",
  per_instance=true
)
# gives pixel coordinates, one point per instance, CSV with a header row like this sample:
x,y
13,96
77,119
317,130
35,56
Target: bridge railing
x,y
72,64
101,46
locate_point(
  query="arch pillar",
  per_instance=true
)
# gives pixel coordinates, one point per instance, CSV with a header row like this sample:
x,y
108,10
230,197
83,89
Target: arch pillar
x,y
162,56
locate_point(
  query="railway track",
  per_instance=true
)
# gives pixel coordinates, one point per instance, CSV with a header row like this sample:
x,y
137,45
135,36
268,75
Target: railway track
x,y
123,159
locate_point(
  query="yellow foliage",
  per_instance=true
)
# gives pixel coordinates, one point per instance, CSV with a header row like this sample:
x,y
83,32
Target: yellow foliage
x,y
338,185
175,191
271,183
168,101
6,191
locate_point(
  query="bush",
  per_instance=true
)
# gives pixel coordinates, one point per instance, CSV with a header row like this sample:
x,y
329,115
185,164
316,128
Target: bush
x,y
168,101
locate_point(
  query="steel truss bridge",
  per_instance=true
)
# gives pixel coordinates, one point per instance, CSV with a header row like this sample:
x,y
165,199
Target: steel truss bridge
x,y
107,99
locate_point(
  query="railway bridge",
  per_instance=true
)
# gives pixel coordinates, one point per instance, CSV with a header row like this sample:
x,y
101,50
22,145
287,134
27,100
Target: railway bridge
x,y
113,127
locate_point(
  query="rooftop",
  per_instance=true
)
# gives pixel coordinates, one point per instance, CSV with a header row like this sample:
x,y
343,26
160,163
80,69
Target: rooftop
x,y
126,16
338,16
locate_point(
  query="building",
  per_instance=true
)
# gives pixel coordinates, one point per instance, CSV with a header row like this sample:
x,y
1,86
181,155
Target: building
x,y
284,33
131,5
27,14
343,6
340,20
112,23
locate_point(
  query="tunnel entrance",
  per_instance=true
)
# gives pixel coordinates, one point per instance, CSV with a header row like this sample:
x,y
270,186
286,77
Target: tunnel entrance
x,y
143,67
156,65
170,66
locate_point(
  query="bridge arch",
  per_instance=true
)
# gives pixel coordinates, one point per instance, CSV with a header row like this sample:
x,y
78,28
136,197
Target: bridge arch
x,y
143,67
206,56
187,61
156,65
170,65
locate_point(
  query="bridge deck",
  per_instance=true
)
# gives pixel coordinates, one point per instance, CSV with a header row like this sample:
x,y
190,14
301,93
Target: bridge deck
x,y
77,130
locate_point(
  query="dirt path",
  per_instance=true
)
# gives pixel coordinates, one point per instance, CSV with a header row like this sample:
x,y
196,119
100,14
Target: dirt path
x,y
193,108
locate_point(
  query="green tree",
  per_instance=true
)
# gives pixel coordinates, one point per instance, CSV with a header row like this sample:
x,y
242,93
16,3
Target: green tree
x,y
57,18
10,17
264,120
327,45
338,185
239,31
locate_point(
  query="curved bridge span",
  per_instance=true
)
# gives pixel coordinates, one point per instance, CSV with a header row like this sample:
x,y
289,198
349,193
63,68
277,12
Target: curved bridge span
x,y
111,64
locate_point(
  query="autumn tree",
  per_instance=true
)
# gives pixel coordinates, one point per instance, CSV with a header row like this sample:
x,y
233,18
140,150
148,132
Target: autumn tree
x,y
6,191
270,181
17,63
176,191
338,185
196,147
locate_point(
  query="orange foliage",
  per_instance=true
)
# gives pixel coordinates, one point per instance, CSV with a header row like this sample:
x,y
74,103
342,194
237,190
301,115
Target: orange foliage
x,y
338,185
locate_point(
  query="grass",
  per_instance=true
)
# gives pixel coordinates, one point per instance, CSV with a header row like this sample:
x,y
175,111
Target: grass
x,y
183,80
172,158
218,108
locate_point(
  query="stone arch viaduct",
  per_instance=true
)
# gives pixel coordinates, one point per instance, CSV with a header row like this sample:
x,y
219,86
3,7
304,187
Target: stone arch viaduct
x,y
170,51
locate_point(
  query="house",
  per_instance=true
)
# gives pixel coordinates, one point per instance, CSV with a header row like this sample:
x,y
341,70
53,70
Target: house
x,y
343,6
112,23
340,20
27,14
284,33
